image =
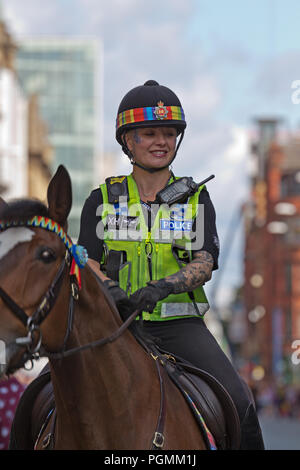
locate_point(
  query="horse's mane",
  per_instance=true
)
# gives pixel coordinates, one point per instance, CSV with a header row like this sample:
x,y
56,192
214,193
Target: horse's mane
x,y
21,210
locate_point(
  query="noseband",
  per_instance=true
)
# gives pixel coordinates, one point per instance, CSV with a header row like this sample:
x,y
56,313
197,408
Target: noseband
x,y
76,256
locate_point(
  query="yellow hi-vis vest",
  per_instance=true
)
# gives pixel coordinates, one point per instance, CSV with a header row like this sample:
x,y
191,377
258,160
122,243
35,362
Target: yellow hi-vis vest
x,y
152,253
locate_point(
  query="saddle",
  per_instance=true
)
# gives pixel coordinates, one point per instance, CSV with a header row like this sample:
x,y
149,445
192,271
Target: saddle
x,y
208,400
33,410
210,403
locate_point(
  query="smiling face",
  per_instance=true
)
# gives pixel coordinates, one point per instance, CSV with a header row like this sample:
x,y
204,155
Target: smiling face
x,y
152,147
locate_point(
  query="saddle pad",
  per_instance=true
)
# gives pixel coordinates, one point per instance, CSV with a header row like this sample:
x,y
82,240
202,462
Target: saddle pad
x,y
211,399
209,438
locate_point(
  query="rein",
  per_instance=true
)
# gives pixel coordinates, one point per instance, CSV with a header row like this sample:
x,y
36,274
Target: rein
x,y
34,348
94,344
33,322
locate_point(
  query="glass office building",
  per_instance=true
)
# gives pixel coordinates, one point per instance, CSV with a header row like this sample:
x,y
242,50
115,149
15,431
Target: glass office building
x,y
65,75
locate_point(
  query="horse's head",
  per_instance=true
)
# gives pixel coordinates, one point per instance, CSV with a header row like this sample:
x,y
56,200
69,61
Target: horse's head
x,y
30,258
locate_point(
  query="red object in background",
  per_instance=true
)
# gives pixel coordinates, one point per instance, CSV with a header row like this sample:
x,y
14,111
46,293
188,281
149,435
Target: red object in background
x,y
10,393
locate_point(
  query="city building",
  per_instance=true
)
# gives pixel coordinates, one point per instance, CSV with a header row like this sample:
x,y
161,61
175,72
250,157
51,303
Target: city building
x,y
272,254
25,153
13,122
40,152
64,73
110,165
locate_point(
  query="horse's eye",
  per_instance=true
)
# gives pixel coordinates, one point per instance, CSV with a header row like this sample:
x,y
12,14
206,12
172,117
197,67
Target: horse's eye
x,y
46,255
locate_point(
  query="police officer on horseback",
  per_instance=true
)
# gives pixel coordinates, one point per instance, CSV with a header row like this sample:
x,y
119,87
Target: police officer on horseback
x,y
151,237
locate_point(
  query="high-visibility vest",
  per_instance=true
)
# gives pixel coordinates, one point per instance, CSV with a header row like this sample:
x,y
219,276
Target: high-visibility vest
x,y
151,253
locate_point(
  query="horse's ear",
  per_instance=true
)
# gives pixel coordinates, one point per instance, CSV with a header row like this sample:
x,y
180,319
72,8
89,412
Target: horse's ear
x,y
59,196
3,205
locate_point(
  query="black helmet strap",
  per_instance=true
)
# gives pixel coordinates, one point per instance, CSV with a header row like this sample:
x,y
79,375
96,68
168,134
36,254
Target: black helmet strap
x,y
150,170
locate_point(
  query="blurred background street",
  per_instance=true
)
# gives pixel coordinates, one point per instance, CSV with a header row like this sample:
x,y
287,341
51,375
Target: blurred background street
x,y
280,433
64,66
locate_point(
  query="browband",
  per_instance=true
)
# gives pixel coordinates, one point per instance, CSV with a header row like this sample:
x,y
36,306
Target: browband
x,y
78,252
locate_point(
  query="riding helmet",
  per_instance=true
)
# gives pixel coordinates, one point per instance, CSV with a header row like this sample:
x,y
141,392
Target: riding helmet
x,y
149,105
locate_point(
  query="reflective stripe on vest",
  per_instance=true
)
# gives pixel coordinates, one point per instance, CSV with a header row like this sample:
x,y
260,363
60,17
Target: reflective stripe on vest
x,y
149,253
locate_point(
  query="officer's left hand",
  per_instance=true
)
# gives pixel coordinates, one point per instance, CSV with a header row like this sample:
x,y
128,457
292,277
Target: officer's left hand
x,y
123,303
147,297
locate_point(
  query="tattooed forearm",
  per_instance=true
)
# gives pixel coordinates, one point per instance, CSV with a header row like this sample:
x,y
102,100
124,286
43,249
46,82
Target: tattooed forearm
x,y
194,274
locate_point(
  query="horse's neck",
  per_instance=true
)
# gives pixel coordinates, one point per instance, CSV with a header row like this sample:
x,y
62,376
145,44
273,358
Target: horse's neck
x,y
95,386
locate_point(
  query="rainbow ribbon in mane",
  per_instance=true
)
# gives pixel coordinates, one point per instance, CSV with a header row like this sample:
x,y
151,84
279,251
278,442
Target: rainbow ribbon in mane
x,y
78,252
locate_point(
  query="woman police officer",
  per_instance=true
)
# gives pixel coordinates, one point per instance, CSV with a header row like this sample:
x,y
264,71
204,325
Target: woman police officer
x,y
141,245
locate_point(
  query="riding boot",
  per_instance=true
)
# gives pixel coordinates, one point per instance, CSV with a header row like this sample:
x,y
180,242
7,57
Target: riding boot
x,y
251,435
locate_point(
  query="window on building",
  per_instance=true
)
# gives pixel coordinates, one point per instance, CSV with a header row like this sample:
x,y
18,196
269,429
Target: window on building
x,y
288,324
292,236
290,185
288,278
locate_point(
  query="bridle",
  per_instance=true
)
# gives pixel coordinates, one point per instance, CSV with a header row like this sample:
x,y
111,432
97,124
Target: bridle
x,y
33,340
75,258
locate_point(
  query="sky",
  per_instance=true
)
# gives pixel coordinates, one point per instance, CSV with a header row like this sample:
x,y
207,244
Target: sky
x,y
228,61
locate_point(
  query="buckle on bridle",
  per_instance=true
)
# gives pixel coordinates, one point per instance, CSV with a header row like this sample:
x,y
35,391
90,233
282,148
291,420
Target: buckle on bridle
x,y
29,339
74,290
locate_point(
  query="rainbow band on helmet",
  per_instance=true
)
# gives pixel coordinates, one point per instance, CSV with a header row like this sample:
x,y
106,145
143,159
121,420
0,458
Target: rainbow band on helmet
x,y
78,252
131,116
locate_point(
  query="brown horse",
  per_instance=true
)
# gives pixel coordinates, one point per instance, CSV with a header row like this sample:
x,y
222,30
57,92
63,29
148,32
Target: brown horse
x,y
107,395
